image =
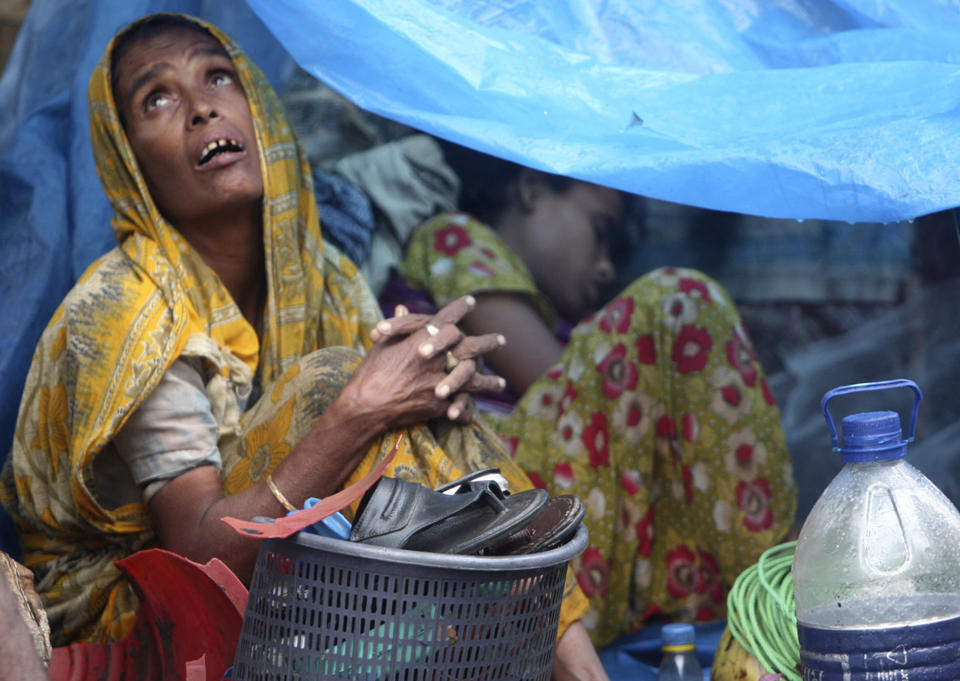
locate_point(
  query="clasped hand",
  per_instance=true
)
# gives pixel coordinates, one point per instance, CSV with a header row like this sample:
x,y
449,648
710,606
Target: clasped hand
x,y
422,367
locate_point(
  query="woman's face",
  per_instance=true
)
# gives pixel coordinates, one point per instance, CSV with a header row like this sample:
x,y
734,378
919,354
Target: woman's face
x,y
188,121
565,242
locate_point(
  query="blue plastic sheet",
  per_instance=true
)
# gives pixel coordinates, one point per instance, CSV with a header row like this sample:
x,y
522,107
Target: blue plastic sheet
x,y
778,108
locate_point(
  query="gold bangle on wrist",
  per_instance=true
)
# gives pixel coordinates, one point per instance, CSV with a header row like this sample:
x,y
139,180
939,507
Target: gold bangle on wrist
x,y
278,495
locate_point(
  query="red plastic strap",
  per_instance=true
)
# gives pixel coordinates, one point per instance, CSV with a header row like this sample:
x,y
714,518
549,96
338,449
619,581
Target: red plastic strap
x,y
287,525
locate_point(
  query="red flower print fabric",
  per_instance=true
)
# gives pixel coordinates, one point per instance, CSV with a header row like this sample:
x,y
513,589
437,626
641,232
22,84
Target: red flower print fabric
x,y
451,239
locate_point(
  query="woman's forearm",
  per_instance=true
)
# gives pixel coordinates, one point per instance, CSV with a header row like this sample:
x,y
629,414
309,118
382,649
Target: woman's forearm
x,y
188,511
394,386
320,463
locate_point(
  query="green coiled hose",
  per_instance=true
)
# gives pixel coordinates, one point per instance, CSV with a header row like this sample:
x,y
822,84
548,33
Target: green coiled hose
x,y
761,613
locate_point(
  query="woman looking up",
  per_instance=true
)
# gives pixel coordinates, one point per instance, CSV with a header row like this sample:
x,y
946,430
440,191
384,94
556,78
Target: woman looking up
x,y
222,360
653,409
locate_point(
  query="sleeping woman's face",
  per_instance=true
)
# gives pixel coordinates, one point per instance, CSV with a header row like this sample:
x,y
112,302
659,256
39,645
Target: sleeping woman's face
x,y
187,118
565,241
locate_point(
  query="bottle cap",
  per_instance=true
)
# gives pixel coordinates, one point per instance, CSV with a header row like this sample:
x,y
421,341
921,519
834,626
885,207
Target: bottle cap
x,y
872,436
679,634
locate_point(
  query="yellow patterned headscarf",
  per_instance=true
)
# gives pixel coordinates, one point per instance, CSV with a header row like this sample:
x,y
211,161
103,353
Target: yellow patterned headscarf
x,y
136,310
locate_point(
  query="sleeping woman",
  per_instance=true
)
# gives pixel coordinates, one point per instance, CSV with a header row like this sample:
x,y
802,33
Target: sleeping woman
x,y
653,409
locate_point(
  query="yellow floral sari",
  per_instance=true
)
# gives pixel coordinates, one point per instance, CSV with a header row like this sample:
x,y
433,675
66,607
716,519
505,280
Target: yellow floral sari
x,y
151,300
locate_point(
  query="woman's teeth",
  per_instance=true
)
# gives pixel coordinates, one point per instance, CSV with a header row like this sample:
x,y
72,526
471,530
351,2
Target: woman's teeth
x,y
216,146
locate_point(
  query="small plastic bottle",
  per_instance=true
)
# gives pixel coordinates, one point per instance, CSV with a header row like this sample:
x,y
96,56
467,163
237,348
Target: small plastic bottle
x,y
877,567
679,660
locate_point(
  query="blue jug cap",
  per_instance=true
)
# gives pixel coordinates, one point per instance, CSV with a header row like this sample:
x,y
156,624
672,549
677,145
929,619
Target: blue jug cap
x,y
677,634
872,436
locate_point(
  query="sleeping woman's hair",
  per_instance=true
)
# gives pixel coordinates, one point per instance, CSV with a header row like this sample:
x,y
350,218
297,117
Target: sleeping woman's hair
x,y
487,182
488,186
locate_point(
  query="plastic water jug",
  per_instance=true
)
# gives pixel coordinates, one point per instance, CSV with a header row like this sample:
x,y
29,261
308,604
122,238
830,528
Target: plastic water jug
x,y
679,659
877,567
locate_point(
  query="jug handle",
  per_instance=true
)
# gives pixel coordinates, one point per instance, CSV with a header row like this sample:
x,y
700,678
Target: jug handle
x,y
867,387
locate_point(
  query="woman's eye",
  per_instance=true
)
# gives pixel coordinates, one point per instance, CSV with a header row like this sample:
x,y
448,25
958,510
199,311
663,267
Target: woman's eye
x,y
601,231
221,79
155,101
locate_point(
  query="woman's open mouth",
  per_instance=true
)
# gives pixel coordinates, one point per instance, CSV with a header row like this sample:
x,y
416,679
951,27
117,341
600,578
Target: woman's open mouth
x,y
221,149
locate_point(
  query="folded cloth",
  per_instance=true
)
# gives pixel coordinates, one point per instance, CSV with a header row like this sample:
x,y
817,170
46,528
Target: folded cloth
x,y
408,181
345,214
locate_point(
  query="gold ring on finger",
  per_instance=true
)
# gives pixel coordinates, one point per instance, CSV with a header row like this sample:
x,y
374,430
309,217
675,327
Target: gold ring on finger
x,y
451,363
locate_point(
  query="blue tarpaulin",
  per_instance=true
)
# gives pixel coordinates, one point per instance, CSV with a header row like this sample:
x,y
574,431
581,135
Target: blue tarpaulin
x,y
842,110
778,108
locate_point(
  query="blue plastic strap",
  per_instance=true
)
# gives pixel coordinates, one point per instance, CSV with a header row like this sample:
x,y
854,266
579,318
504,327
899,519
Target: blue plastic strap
x,y
868,387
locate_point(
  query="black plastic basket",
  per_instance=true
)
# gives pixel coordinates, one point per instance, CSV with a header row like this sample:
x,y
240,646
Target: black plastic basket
x,y
323,608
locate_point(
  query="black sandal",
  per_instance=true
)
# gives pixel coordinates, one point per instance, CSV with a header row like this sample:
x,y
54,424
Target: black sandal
x,y
491,474
400,514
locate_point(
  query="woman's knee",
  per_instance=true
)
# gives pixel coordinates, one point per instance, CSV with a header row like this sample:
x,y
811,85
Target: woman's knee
x,y
679,281
311,383
321,376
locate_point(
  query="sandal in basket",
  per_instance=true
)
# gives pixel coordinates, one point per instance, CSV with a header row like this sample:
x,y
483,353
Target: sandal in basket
x,y
400,514
553,526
